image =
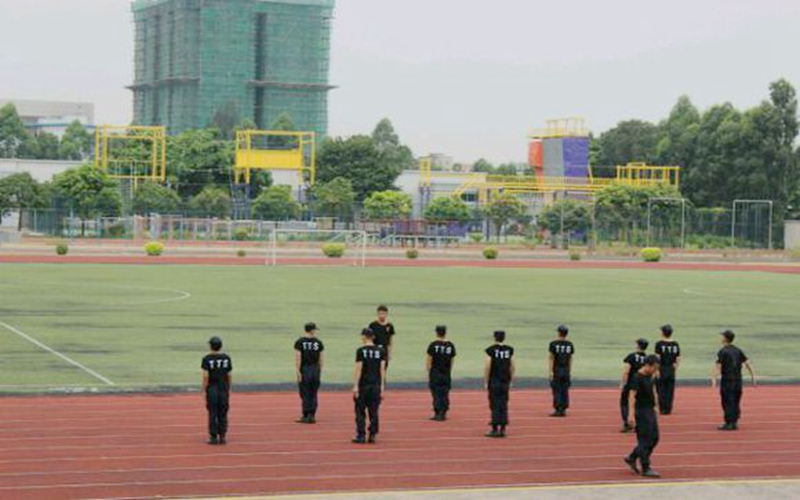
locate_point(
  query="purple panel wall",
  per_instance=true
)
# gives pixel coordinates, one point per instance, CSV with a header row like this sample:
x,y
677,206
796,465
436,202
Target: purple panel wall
x,y
576,156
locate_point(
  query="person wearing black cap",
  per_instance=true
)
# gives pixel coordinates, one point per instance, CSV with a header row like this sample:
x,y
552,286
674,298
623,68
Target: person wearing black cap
x,y
642,415
728,369
217,367
498,375
669,353
561,351
384,331
630,365
369,384
308,365
439,362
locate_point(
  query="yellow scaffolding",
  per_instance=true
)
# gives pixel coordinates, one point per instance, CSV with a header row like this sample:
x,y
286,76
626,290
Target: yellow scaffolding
x,y
425,171
574,126
132,152
275,150
642,174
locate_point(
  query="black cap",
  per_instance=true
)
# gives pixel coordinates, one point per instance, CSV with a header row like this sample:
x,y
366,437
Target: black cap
x,y
642,343
366,332
311,327
666,330
652,360
215,343
729,336
563,330
441,330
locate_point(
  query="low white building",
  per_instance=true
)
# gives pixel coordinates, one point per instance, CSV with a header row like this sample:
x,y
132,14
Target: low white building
x,y
52,116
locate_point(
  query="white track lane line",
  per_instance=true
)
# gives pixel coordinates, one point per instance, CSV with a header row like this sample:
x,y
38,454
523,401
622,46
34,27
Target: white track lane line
x,y
52,351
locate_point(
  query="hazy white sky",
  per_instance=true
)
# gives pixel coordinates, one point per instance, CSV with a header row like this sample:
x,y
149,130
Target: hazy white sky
x,y
466,78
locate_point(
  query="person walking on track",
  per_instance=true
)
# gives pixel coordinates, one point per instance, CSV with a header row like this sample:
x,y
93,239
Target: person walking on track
x,y
669,352
560,364
308,360
217,367
642,416
630,365
439,362
728,369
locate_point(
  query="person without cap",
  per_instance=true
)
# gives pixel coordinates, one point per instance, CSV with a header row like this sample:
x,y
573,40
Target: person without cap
x,y
642,415
669,352
369,385
217,367
308,360
728,369
439,362
384,331
498,375
561,351
630,365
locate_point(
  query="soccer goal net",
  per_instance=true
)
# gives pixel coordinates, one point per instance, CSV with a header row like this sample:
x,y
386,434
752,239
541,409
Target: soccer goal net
x,y
296,245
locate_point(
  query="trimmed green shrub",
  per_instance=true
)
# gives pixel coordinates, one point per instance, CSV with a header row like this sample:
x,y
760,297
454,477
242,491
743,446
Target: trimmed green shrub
x,y
62,249
333,250
116,230
476,237
491,253
575,256
241,234
651,254
154,248
412,253
241,253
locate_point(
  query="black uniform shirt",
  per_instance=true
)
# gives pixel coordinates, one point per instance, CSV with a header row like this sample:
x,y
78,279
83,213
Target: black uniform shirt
x,y
310,348
562,351
636,360
218,366
668,351
370,357
645,397
442,353
731,358
501,363
383,333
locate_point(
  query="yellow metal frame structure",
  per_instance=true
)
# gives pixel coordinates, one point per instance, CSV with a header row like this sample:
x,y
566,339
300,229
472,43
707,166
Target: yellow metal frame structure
x,y
300,155
425,171
642,174
574,126
149,165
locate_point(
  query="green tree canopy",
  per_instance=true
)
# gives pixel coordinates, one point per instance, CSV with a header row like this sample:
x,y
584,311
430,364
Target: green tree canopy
x,y
575,216
22,192
505,208
15,140
76,144
629,141
392,153
334,199
483,166
212,201
387,205
47,146
155,198
358,160
89,192
276,203
447,209
198,159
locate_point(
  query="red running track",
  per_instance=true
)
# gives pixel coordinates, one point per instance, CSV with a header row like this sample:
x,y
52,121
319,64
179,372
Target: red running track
x,y
148,446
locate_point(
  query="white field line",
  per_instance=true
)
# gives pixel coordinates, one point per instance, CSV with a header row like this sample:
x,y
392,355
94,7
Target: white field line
x,y
52,351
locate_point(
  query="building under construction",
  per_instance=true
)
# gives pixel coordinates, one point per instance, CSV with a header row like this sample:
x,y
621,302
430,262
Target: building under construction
x,y
254,59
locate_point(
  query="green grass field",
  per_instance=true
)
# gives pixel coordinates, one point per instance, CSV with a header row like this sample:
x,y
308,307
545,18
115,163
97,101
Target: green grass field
x,y
147,326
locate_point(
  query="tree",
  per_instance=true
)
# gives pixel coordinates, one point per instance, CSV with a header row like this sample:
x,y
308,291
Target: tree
x,y
393,154
358,160
276,203
21,192
155,198
565,215
89,192
212,201
622,209
504,208
679,135
629,141
447,209
47,146
509,169
483,165
334,199
198,159
226,119
76,144
387,205
15,140
785,173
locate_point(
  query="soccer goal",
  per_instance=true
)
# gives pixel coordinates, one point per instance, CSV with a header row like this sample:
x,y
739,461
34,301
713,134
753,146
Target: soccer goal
x,y
297,244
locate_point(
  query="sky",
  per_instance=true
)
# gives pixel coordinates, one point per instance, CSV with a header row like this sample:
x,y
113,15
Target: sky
x,y
465,78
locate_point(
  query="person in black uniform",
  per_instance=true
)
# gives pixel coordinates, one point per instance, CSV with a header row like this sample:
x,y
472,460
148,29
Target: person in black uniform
x,y
643,400
630,365
669,352
439,362
384,331
369,384
561,351
498,375
728,369
308,364
217,367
